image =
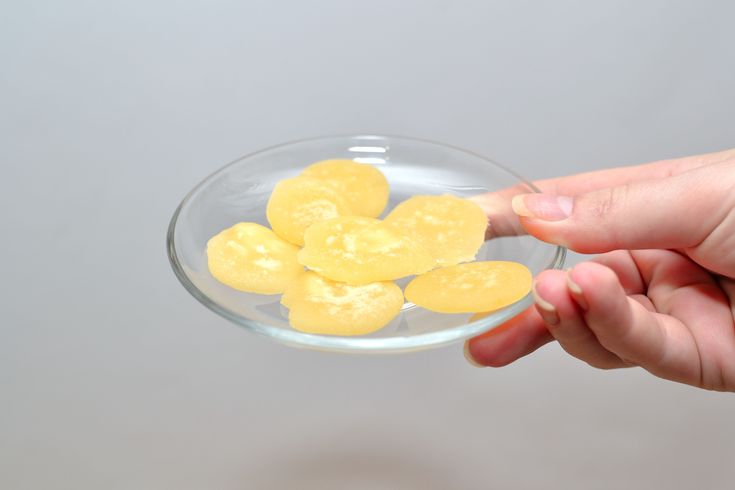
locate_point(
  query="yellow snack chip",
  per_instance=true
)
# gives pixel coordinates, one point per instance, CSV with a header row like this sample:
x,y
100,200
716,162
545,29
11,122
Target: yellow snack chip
x,y
360,250
250,257
470,288
452,228
320,306
297,203
364,187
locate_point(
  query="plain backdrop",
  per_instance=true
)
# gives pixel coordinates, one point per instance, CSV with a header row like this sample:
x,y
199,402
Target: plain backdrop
x,y
112,376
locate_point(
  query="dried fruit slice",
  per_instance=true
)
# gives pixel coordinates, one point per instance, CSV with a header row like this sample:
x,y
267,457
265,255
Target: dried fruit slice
x,y
359,250
470,288
363,186
252,258
297,203
452,228
321,306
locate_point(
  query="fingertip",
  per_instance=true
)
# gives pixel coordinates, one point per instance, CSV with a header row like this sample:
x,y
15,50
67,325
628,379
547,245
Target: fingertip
x,y
469,356
482,353
545,308
576,292
549,293
508,342
597,290
590,281
518,204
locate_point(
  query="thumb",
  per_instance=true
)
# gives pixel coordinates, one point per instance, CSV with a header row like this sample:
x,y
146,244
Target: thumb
x,y
675,212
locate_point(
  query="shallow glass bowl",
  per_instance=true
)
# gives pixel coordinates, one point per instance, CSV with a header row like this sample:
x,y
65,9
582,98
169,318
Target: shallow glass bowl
x,y
239,192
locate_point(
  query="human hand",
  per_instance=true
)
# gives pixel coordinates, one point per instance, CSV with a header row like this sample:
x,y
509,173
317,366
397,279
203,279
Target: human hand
x,y
662,294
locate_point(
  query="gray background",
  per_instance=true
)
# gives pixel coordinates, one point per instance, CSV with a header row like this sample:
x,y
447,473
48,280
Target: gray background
x,y
112,376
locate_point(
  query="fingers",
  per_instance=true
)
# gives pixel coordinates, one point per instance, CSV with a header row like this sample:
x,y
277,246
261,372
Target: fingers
x,y
514,339
681,289
597,313
588,311
555,317
558,315
677,212
659,343
562,313
626,268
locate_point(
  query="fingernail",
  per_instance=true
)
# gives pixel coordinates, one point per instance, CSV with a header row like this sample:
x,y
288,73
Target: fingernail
x,y
576,291
543,206
468,356
544,308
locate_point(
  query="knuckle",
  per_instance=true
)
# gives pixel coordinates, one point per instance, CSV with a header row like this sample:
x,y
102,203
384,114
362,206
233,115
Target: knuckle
x,y
609,201
603,212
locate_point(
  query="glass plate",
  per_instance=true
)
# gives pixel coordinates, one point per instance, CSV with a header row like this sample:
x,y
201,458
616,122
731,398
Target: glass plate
x,y
239,192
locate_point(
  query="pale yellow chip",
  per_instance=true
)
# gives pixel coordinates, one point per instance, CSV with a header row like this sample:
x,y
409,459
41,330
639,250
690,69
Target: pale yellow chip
x,y
359,250
297,203
250,257
452,228
320,306
363,186
470,288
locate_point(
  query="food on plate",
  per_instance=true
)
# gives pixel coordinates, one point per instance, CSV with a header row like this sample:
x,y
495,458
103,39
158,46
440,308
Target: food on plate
x,y
364,187
470,288
453,229
299,202
352,257
359,250
321,306
250,257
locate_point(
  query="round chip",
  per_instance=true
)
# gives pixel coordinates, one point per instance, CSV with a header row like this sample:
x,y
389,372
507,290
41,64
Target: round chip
x,y
470,288
320,306
363,186
359,250
297,203
250,257
452,228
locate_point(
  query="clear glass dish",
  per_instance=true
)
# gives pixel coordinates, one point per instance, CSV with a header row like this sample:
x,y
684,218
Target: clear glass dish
x,y
239,192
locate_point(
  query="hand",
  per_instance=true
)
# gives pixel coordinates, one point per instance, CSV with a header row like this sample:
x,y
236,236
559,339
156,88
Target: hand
x,y
662,295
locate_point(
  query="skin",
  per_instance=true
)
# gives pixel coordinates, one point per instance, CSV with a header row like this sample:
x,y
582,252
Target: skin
x,y
660,296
